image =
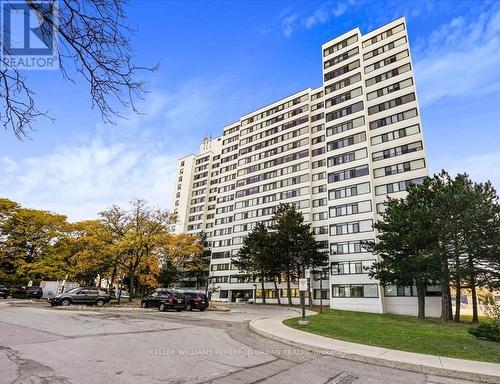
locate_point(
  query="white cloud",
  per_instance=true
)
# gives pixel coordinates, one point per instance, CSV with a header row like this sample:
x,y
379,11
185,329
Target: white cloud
x,y
481,168
288,24
83,178
291,21
115,164
460,59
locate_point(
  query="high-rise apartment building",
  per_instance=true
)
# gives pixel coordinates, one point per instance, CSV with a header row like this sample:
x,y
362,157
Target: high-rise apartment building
x,y
334,152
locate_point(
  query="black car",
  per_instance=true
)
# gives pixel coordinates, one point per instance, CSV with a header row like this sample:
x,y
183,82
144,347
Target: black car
x,y
196,300
27,293
164,299
4,291
81,295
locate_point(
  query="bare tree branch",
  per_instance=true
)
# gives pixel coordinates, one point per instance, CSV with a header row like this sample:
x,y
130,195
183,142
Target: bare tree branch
x,y
94,43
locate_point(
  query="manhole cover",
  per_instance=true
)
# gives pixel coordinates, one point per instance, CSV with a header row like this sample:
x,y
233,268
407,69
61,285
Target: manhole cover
x,y
343,378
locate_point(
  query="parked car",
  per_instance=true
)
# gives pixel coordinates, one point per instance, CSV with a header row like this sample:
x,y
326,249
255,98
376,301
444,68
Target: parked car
x,y
27,293
4,291
123,296
195,300
81,295
164,299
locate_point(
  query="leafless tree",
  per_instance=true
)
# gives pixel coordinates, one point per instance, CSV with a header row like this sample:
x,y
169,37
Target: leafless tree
x,y
94,43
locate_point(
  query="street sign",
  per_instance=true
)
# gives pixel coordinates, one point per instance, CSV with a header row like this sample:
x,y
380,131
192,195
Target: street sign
x,y
302,284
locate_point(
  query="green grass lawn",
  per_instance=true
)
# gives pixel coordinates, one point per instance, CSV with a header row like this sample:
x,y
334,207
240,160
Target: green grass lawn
x,y
401,332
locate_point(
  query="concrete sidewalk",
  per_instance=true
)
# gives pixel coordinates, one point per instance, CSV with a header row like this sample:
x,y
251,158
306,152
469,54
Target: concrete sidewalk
x,y
416,362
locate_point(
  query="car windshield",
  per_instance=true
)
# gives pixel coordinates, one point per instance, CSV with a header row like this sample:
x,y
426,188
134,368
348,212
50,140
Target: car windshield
x,y
73,290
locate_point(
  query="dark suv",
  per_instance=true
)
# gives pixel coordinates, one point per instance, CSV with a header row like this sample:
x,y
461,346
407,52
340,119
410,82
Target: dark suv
x,y
27,293
81,295
4,291
195,300
164,299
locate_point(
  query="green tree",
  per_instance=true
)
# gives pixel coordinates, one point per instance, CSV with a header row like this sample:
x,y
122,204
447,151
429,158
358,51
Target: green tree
x,y
482,241
254,256
169,274
406,243
444,231
295,245
197,265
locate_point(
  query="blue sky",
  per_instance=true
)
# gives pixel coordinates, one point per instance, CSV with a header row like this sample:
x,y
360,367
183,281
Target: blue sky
x,y
221,59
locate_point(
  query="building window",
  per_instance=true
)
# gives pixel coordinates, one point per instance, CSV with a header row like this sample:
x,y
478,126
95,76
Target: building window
x,y
347,247
397,134
351,227
325,294
397,151
351,267
399,168
294,292
348,174
385,62
355,290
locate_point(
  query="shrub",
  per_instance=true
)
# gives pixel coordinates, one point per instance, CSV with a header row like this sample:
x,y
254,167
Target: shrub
x,y
491,329
486,331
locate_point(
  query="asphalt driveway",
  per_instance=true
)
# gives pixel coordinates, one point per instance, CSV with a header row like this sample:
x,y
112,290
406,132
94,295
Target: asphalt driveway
x,y
41,345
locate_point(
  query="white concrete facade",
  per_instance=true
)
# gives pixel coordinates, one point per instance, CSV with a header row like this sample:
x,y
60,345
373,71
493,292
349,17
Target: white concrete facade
x,y
335,152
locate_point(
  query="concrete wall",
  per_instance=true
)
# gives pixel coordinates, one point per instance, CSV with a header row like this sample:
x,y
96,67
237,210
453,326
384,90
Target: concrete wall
x,y
408,306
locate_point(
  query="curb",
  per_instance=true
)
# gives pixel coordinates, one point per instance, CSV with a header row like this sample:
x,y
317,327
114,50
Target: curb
x,y
419,368
80,308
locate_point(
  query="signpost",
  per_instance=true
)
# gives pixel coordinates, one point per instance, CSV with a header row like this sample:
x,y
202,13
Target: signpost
x,y
302,289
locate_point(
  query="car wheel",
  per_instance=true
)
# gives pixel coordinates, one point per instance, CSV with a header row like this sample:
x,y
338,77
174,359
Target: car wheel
x,y
162,307
188,307
144,304
65,302
99,303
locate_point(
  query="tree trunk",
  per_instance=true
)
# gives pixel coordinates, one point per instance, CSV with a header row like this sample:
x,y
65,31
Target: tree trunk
x,y
475,314
263,290
132,286
458,287
421,299
472,285
457,300
277,291
445,284
288,287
